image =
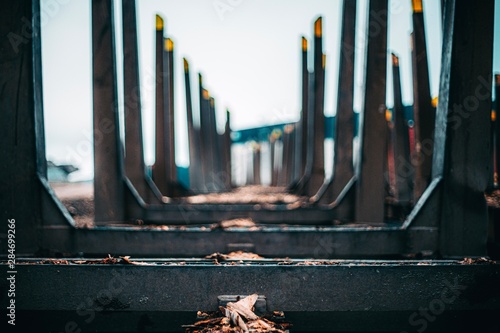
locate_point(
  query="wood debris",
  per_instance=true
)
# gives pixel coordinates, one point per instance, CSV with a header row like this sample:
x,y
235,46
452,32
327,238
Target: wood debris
x,y
493,199
237,223
244,307
109,260
255,194
471,261
238,317
236,255
54,262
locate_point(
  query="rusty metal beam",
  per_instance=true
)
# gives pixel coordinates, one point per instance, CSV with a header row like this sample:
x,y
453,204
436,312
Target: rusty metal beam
x,y
108,153
170,117
269,240
403,169
201,136
274,161
293,170
218,175
370,195
302,183
160,167
318,119
206,139
21,123
285,175
343,166
440,296
496,134
304,111
227,151
463,115
135,168
256,165
423,112
194,148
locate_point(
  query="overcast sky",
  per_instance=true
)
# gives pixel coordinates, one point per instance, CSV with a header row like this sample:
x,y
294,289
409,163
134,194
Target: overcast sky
x,y
247,50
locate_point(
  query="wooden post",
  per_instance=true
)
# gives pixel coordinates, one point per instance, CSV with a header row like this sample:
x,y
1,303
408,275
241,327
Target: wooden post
x,y
370,195
462,148
108,153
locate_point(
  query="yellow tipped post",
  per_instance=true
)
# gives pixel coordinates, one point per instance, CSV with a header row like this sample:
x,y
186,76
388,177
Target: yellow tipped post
x,y
318,32
186,65
417,6
169,45
276,133
304,44
388,115
206,95
493,115
212,101
435,102
159,22
323,61
395,60
288,129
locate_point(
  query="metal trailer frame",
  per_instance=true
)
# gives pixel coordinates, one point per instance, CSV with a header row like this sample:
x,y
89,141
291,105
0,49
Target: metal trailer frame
x,y
449,219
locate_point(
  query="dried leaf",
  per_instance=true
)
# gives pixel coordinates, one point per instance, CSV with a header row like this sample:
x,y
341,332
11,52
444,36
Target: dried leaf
x,y
236,319
211,321
259,324
244,306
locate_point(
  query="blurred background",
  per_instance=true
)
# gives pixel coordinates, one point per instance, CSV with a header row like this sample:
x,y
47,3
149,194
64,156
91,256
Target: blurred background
x,y
247,50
